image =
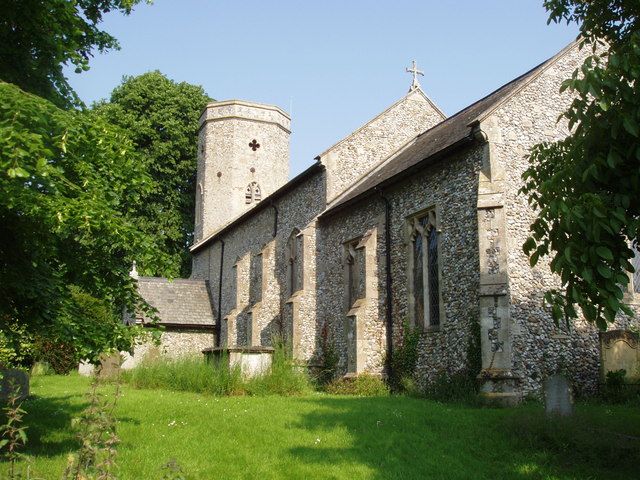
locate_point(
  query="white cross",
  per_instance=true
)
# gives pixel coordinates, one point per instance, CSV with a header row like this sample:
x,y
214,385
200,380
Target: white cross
x,y
414,70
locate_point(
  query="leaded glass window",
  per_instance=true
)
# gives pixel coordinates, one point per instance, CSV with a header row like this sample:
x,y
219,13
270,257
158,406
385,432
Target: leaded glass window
x,y
425,277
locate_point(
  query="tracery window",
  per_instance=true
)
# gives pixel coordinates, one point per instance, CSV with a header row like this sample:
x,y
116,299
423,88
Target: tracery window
x,y
252,193
424,272
294,264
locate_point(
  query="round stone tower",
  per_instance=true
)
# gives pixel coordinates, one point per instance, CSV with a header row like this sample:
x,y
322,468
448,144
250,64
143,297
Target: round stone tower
x,y
243,157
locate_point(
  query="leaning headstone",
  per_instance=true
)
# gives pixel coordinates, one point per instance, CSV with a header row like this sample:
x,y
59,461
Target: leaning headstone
x,y
110,365
13,380
620,350
558,396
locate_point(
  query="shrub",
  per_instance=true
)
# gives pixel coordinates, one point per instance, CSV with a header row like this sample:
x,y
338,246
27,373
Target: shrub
x,y
60,355
616,389
404,359
364,385
453,387
330,359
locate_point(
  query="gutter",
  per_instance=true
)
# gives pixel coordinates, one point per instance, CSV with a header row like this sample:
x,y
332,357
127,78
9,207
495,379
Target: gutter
x,y
219,323
275,218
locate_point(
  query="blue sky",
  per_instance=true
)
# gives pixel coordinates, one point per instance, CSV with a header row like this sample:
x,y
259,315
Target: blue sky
x,y
332,64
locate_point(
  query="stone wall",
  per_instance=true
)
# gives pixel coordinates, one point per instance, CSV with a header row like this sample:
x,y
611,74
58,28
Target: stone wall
x,y
363,320
451,189
173,344
355,155
228,164
539,347
247,320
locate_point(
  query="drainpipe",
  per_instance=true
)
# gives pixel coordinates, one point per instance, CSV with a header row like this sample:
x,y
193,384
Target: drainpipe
x,y
219,325
275,219
388,281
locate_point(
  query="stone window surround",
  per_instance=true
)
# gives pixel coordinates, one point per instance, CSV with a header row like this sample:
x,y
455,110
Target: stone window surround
x,y
367,242
294,299
409,233
299,291
240,302
355,313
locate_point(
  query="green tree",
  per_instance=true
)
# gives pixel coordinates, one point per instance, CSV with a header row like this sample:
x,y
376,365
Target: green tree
x,y
586,187
70,182
162,117
38,37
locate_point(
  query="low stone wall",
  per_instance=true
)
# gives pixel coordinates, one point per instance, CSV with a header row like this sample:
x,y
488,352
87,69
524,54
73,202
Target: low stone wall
x,y
173,344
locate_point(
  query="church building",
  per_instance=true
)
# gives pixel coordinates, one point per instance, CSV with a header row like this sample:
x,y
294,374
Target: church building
x,y
412,221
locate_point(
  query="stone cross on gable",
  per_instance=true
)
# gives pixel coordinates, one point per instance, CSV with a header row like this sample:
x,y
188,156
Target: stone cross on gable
x,y
414,70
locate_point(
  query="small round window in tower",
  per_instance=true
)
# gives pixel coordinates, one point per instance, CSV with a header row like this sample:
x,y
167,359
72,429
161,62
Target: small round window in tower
x,y
252,193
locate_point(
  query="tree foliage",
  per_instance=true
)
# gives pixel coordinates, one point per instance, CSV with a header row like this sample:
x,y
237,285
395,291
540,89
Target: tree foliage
x,y
39,37
69,182
161,117
586,186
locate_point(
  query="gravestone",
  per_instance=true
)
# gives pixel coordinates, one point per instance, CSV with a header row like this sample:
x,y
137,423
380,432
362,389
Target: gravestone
x,y
620,349
12,380
110,365
558,397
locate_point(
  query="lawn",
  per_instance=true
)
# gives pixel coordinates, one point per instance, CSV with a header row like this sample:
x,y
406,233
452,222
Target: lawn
x,y
322,436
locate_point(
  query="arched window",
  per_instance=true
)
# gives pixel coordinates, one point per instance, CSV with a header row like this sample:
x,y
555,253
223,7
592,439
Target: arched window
x,y
426,282
199,198
294,270
252,193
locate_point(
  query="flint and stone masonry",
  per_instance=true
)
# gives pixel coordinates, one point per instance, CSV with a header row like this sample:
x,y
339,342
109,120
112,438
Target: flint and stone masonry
x,y
412,221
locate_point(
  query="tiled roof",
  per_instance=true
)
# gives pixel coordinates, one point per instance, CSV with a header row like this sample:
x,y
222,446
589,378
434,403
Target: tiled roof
x,y
179,301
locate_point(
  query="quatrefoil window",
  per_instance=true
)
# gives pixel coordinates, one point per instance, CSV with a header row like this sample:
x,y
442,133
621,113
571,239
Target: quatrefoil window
x,y
254,145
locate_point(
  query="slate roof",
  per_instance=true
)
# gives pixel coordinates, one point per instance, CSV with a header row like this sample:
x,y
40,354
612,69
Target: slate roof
x,y
452,133
179,302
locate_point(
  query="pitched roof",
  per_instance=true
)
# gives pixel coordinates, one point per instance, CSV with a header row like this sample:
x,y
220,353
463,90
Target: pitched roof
x,y
450,134
180,302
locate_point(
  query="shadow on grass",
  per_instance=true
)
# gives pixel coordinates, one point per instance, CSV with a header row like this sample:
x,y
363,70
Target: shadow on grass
x,y
416,438
48,421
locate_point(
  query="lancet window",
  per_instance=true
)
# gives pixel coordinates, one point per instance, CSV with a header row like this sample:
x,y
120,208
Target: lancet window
x,y
294,262
426,282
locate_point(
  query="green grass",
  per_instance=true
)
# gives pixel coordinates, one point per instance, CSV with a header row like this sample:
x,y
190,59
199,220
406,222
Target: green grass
x,y
194,374
335,437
